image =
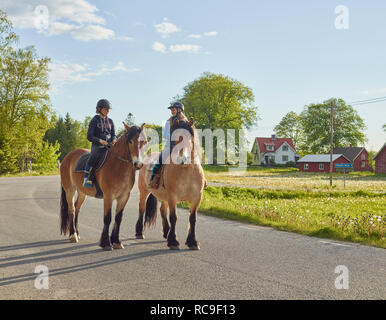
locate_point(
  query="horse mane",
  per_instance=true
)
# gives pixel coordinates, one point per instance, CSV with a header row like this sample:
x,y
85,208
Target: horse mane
x,y
134,130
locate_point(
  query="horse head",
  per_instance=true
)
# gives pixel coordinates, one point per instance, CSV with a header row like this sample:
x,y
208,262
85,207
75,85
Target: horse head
x,y
135,140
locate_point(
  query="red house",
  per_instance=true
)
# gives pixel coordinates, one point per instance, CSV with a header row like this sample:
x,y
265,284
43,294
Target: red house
x,y
380,160
358,156
320,162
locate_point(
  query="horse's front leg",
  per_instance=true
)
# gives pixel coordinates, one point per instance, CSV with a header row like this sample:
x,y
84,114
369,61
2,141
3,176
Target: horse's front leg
x,y
173,244
105,240
191,241
142,206
121,203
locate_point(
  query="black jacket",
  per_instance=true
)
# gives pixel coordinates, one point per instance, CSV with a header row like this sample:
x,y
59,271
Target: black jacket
x,y
101,129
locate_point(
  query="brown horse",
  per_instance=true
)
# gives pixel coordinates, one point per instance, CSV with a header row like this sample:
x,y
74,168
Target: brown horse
x,y
179,182
116,179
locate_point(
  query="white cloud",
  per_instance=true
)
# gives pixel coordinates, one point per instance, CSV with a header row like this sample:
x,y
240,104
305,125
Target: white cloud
x,y
205,34
92,32
65,73
195,36
166,28
159,47
191,48
210,34
79,18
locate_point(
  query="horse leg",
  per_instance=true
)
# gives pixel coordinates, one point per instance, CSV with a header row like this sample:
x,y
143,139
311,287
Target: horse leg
x,y
173,244
71,215
105,240
121,203
164,214
78,204
142,206
191,241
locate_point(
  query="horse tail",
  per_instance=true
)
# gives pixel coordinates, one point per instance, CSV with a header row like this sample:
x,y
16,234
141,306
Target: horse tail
x,y
151,210
64,216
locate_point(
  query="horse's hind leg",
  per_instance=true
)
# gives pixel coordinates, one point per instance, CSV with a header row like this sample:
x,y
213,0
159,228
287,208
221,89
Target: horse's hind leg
x,y
142,206
191,241
71,215
164,215
78,204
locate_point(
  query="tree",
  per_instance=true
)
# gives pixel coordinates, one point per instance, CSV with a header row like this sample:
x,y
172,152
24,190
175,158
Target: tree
x,y
384,127
215,102
47,158
290,126
24,101
70,134
348,126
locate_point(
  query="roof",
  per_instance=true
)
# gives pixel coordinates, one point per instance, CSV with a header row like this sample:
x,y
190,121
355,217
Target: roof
x,y
379,152
350,153
276,142
320,158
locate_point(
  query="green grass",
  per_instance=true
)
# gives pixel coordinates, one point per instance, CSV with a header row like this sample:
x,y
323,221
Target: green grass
x,y
293,179
31,173
357,216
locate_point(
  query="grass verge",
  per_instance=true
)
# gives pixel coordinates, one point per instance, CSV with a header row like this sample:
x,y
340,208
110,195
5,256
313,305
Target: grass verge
x,y
357,216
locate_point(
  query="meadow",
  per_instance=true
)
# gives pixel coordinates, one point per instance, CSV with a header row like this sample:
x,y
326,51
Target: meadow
x,y
289,200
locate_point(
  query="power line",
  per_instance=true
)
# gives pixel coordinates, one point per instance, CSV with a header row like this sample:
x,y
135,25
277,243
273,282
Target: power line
x,y
368,101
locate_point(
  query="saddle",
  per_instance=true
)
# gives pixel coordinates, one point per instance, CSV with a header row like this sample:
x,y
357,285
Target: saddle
x,y
81,163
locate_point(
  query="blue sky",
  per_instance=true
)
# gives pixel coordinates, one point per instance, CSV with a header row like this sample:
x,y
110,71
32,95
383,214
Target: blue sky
x,y
140,54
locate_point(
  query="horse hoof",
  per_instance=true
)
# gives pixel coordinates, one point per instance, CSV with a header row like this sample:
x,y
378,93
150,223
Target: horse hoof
x,y
74,238
174,247
118,246
107,248
140,236
194,247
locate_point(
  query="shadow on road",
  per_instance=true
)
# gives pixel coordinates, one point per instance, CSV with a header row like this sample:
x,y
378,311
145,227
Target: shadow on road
x,y
41,257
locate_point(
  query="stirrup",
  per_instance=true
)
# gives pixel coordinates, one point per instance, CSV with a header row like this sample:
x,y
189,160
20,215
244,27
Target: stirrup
x,y
87,183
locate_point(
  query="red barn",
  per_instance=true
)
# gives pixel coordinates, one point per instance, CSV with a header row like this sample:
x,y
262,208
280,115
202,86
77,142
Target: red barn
x,y
358,156
380,160
320,162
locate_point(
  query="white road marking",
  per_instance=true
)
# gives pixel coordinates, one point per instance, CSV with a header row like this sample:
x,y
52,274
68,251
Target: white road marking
x,y
335,244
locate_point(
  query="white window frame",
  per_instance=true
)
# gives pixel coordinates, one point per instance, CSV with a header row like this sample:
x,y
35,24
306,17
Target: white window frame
x,y
321,166
363,157
270,148
306,166
285,148
284,156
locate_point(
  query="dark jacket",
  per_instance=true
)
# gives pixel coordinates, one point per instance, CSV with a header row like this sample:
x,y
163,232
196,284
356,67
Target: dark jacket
x,y
101,129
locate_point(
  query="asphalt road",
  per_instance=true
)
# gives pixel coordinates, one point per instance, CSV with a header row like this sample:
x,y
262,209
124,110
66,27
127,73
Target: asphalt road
x,y
236,261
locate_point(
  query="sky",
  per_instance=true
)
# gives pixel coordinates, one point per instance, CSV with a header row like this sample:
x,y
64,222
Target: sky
x,y
141,54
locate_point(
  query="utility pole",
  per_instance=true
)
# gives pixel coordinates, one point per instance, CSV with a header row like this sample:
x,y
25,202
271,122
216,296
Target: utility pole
x,y
331,136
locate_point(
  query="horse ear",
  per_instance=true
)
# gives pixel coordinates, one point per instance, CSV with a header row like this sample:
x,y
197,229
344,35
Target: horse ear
x,y
143,126
127,127
191,122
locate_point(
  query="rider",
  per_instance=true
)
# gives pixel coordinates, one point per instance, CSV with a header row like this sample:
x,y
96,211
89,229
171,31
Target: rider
x,y
101,132
176,109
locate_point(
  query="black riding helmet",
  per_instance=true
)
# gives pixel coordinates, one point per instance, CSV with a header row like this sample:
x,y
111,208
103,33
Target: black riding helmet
x,y
103,104
177,105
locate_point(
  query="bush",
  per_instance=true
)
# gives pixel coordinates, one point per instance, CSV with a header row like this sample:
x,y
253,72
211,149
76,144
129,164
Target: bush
x,y
47,158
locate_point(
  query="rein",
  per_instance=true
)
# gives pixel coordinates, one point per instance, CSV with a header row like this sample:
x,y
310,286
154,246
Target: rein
x,y
118,156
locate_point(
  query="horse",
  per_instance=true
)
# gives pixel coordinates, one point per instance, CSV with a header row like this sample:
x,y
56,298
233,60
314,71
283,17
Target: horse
x,y
179,182
115,179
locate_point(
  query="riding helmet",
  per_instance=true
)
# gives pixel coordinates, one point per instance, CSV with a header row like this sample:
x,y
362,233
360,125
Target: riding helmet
x,y
103,104
177,105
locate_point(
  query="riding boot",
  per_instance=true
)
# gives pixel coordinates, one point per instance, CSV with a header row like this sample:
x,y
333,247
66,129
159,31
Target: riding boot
x,y
155,177
87,182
